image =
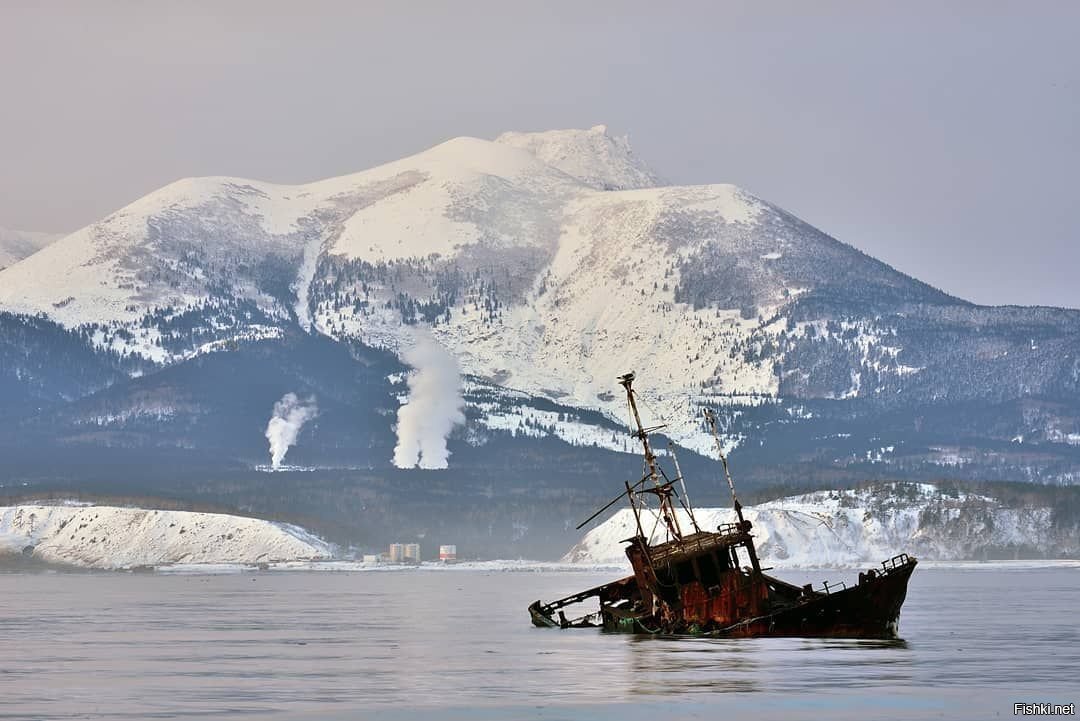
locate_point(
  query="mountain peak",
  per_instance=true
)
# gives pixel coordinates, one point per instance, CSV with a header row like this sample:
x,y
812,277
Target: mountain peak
x,y
593,156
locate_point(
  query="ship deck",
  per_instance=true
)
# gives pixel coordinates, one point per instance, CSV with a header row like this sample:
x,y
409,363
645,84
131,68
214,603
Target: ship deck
x,y
696,544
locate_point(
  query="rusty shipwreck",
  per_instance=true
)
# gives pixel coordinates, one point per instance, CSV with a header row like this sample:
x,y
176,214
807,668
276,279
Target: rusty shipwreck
x,y
711,582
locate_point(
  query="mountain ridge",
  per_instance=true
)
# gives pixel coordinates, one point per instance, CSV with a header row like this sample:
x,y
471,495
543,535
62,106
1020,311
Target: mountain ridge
x,y
547,264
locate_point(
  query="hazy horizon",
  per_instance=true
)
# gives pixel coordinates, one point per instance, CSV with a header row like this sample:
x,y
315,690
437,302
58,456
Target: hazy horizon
x,y
939,139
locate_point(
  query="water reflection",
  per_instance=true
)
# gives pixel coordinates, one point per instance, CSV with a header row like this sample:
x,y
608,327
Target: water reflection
x,y
452,644
673,665
663,666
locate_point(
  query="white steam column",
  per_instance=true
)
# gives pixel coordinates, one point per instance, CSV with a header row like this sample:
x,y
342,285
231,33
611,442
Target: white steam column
x,y
290,415
434,406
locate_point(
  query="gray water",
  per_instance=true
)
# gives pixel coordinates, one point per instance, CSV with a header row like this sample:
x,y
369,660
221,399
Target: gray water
x,y
457,644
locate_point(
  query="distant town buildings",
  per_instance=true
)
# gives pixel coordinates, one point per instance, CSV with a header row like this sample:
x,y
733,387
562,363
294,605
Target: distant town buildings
x,y
410,553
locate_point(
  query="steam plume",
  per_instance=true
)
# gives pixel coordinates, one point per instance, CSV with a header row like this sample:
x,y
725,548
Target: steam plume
x,y
290,415
434,406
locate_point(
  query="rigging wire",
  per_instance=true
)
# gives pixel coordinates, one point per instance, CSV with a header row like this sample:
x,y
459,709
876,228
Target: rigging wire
x,y
682,425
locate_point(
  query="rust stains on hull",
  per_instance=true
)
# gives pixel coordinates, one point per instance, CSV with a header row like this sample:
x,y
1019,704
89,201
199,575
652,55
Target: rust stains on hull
x,y
746,605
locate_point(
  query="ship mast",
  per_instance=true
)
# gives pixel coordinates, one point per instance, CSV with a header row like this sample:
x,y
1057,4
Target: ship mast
x,y
682,482
710,416
663,491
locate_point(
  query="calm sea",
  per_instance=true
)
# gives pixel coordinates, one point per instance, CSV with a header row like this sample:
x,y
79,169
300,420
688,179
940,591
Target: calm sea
x,y
457,644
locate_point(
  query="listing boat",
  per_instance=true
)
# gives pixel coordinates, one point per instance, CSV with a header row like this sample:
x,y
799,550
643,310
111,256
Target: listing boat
x,y
704,582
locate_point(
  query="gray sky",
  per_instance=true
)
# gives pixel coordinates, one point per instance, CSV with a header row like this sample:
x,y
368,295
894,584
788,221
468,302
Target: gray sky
x,y
942,138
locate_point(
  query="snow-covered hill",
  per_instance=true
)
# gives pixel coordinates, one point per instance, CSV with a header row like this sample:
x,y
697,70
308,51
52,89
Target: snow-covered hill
x,y
18,244
110,537
857,527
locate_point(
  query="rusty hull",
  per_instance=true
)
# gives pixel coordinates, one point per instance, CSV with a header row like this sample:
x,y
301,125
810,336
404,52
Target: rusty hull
x,y
690,591
711,582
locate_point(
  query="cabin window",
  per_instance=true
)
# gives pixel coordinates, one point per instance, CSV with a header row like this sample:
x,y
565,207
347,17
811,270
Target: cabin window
x,y
685,572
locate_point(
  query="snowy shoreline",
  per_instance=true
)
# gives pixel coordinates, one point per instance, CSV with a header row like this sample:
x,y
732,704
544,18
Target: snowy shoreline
x,y
497,566
827,531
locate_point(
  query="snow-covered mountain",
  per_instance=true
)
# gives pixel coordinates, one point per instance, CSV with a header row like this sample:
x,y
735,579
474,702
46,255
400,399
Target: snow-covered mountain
x,y
111,537
863,526
18,244
592,156
548,264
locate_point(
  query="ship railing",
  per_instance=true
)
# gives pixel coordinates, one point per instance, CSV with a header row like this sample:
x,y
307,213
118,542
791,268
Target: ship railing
x,y
831,588
894,563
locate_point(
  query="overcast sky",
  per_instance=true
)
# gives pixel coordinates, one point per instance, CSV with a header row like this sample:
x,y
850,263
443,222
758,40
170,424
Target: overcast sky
x,y
940,137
